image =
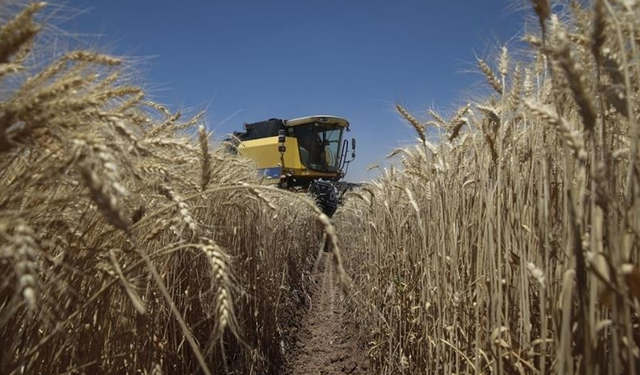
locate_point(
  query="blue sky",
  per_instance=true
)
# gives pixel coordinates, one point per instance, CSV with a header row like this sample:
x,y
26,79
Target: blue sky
x,y
247,61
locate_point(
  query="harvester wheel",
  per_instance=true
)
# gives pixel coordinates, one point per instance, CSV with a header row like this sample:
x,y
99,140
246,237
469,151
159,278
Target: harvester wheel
x,y
326,196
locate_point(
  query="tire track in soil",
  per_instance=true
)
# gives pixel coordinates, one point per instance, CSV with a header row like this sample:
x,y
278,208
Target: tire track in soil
x,y
326,344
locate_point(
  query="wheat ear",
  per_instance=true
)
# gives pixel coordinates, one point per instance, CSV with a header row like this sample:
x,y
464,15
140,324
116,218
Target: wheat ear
x,y
106,201
18,32
412,120
573,139
205,158
491,77
225,316
576,83
543,10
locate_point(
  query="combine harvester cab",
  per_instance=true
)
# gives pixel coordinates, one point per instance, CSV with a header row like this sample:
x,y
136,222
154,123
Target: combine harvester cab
x,y
302,154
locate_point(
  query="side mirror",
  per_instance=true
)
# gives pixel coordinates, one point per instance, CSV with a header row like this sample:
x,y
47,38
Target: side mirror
x,y
353,148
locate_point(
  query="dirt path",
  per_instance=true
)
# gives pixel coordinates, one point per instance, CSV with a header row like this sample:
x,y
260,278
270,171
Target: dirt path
x,y
326,345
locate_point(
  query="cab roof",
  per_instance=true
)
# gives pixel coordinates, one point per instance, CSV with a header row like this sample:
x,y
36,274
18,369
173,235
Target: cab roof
x,y
323,119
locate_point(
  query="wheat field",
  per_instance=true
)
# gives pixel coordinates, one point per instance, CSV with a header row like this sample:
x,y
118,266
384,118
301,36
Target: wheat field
x,y
127,243
504,241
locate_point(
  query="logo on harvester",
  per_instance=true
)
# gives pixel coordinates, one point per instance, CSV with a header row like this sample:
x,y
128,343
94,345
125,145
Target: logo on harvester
x,y
270,172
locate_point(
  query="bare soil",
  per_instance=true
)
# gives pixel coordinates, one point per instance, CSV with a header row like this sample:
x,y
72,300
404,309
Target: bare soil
x,y
326,344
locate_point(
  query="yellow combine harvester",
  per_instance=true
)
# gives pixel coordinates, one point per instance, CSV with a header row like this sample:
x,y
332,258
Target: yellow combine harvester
x,y
306,153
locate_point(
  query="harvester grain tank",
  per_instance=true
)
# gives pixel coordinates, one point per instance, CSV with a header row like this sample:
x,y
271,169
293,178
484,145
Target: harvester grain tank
x,y
307,153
